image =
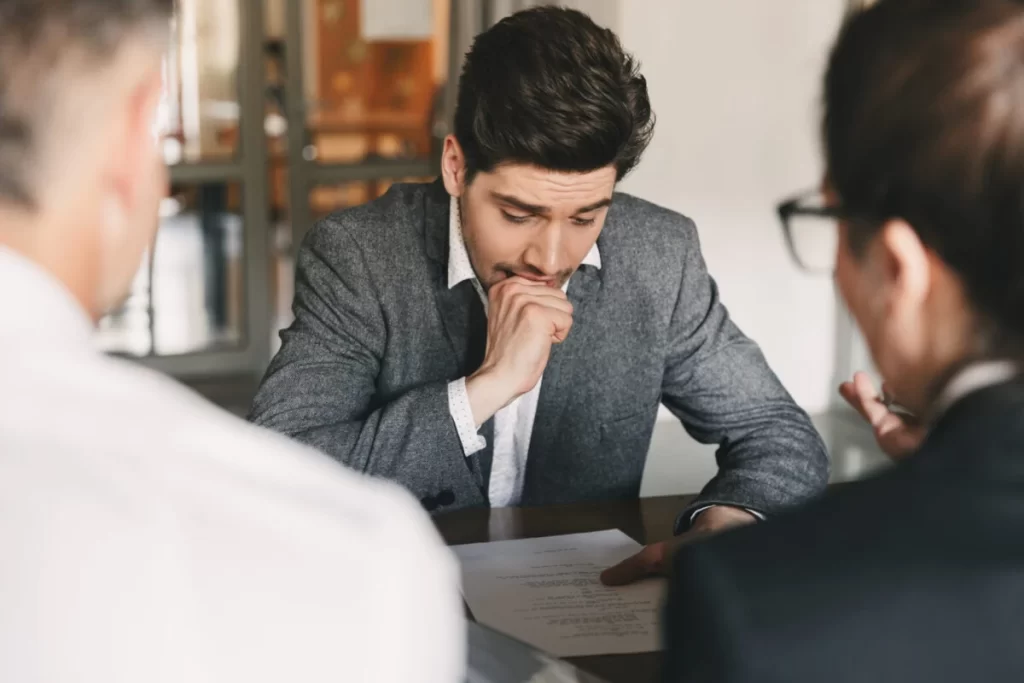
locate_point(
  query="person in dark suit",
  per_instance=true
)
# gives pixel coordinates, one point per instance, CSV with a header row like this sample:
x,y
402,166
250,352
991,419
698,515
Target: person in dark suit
x,y
504,336
916,574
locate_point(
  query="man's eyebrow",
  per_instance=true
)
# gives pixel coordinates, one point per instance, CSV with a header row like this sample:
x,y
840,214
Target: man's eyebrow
x,y
595,206
520,204
543,210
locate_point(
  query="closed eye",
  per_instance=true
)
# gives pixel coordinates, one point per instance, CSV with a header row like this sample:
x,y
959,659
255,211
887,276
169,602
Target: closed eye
x,y
513,218
583,222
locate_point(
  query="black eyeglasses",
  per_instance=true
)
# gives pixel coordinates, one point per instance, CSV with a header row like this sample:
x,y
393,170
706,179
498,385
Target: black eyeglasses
x,y
811,228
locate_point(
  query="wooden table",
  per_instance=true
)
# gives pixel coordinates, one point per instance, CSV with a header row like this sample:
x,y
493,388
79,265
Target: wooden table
x,y
647,520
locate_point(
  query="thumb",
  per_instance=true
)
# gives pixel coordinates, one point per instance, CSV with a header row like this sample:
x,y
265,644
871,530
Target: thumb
x,y
647,562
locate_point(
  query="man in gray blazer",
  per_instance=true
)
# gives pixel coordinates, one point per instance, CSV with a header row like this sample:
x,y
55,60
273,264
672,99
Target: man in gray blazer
x,y
505,335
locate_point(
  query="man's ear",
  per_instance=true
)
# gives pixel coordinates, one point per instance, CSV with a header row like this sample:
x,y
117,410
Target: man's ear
x,y
140,138
906,264
453,167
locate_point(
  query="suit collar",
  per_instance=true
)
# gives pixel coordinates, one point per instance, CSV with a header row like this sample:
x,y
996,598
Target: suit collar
x,y
974,378
436,205
460,268
981,435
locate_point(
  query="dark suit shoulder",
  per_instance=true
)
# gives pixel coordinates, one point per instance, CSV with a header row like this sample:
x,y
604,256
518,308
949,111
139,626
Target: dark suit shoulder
x,y
920,549
963,488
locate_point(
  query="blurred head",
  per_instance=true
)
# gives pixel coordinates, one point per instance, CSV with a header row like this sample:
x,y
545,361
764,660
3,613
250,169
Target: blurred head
x,y
551,114
80,173
924,135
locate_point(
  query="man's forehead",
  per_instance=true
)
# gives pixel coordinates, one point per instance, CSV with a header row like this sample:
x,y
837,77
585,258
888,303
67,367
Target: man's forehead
x,y
552,189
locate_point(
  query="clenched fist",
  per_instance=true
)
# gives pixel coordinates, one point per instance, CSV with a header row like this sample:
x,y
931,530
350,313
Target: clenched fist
x,y
524,320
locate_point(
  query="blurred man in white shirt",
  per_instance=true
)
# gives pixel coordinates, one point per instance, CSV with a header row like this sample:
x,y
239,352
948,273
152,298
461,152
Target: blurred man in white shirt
x,y
145,535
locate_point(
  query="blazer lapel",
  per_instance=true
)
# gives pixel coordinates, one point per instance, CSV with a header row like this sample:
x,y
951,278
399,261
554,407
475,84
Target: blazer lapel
x,y
465,323
461,311
566,359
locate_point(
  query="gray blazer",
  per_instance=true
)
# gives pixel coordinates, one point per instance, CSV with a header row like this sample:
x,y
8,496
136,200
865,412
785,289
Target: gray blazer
x,y
363,371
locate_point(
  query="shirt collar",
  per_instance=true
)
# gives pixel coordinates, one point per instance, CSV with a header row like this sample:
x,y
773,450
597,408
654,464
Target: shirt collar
x,y
460,268
975,377
36,306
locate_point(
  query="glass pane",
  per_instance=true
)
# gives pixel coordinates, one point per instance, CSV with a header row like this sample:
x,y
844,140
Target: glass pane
x,y
191,297
275,123
202,108
375,72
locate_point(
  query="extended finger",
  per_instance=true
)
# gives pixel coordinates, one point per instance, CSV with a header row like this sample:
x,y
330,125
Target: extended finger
x,y
867,396
849,394
644,564
888,424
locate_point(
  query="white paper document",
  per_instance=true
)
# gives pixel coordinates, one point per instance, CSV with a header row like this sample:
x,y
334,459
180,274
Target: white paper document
x,y
547,592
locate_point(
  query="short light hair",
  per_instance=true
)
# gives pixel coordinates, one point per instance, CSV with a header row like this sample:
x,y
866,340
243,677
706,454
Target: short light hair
x,y
37,38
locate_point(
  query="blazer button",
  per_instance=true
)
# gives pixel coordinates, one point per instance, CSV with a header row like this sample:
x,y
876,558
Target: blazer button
x,y
445,498
430,503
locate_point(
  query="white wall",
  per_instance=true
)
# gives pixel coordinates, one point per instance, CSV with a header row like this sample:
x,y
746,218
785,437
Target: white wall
x,y
735,85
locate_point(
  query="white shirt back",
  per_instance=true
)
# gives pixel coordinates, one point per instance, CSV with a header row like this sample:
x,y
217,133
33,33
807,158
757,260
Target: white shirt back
x,y
147,536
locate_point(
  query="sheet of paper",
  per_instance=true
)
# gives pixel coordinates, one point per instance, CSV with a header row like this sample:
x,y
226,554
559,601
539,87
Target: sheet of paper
x,y
546,592
397,19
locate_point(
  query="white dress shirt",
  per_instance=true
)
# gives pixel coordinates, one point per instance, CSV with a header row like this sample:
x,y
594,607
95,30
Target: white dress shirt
x,y
147,536
513,424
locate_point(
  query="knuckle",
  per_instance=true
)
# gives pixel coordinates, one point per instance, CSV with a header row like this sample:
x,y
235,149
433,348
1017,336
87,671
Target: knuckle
x,y
507,288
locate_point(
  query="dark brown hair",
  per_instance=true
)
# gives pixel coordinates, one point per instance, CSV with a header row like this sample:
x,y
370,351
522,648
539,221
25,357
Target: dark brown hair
x,y
549,87
36,37
924,121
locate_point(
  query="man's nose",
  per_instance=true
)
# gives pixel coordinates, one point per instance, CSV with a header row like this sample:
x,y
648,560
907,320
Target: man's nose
x,y
544,252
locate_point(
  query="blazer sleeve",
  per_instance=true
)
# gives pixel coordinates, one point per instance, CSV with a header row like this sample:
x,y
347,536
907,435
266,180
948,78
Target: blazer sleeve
x,y
719,385
320,388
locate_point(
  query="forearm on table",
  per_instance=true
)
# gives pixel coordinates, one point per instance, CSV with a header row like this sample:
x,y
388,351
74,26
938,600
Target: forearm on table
x,y
765,473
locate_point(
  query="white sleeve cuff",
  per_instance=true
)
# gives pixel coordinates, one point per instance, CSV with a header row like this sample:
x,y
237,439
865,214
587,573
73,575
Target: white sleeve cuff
x,y
462,414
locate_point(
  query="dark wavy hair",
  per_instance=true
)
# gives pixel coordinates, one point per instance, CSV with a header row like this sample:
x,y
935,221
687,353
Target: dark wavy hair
x,y
924,121
549,87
